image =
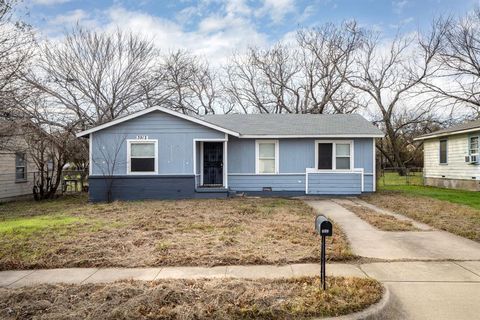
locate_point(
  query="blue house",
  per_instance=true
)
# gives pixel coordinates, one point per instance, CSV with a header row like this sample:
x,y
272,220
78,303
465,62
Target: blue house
x,y
158,153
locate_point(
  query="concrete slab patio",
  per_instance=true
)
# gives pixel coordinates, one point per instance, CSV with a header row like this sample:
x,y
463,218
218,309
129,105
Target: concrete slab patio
x,y
367,241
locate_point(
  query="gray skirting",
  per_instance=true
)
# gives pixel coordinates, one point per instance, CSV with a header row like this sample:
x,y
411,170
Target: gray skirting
x,y
140,187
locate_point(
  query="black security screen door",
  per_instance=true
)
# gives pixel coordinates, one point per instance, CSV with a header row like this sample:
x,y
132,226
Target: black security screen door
x,y
213,163
324,156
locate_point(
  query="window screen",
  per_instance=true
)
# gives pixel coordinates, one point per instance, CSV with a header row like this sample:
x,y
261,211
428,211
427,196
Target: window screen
x,y
266,157
342,155
142,157
443,151
20,166
325,156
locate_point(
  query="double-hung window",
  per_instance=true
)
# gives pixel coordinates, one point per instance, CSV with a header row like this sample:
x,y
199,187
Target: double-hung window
x,y
142,156
20,167
333,155
473,146
266,156
443,151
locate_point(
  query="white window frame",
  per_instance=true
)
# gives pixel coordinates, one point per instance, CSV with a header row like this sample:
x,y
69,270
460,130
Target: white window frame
x,y
334,154
440,151
257,156
25,172
470,145
149,141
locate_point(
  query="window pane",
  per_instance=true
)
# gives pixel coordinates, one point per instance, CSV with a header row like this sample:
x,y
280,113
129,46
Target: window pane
x,y
343,150
20,159
20,173
266,166
343,162
474,145
324,156
443,151
266,150
142,150
142,165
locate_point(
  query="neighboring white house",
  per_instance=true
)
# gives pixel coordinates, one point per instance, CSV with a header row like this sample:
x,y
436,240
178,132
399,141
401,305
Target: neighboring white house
x,y
451,157
16,168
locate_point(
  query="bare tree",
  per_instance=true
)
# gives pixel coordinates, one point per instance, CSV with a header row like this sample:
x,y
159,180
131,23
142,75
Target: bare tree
x,y
189,85
308,76
93,77
386,74
458,78
16,46
108,160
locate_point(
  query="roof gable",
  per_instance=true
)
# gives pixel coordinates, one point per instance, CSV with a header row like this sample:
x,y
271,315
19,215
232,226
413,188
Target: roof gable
x,y
465,127
152,109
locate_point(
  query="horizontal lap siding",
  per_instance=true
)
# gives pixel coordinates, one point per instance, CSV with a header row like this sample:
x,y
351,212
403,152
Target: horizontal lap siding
x,y
175,143
456,168
258,182
334,183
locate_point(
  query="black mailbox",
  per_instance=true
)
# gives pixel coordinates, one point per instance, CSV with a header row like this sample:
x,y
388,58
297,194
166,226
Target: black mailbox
x,y
323,226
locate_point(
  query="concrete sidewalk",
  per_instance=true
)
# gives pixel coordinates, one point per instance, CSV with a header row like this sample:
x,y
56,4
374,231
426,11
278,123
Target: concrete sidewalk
x,y
98,275
367,241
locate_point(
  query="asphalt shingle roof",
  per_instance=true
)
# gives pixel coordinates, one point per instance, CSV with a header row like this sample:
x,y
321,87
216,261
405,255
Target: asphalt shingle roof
x,y
460,127
295,124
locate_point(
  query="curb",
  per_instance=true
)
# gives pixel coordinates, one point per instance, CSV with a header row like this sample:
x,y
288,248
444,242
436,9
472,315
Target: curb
x,y
375,311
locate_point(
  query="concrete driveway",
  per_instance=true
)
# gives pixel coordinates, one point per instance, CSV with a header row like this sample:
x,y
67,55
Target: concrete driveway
x,y
428,289
367,241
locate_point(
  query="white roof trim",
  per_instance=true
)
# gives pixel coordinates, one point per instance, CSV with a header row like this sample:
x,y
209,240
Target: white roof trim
x,y
353,135
157,108
445,134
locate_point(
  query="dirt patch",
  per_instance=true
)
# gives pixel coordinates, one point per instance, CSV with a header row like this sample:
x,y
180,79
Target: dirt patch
x,y
168,233
381,221
299,298
455,218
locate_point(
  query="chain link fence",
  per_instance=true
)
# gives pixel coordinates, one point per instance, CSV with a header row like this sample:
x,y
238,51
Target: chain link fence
x,y
400,177
20,185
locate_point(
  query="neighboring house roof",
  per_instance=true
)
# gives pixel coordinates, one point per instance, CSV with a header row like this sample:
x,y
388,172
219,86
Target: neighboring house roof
x,y
296,125
270,125
457,129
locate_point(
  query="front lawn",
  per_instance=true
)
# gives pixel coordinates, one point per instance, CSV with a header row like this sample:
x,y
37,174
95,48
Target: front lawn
x,y
69,232
468,198
299,298
449,210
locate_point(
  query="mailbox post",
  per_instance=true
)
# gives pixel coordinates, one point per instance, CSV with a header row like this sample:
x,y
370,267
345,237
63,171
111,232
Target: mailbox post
x,y
324,229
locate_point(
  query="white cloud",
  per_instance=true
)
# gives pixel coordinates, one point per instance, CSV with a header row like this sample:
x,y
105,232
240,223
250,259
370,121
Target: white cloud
x,y
69,18
277,9
48,2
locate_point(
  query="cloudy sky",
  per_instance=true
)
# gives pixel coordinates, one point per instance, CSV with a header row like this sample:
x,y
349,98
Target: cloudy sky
x,y
215,28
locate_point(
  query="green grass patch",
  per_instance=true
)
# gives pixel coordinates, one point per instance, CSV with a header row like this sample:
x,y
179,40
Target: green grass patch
x,y
27,226
394,179
468,198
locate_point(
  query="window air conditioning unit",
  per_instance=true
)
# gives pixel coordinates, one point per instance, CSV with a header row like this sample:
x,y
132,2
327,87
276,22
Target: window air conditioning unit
x,y
474,158
467,159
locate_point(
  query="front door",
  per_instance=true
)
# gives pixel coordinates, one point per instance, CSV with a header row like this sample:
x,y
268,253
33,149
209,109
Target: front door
x,y
213,163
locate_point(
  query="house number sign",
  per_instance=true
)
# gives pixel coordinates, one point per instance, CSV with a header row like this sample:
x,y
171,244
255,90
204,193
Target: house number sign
x,y
142,137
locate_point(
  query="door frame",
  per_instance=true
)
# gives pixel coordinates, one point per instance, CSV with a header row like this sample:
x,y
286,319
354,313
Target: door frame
x,y
225,159
202,164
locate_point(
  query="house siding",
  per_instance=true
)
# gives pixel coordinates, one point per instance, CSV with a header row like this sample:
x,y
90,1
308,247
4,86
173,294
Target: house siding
x,y
335,183
279,182
175,143
456,167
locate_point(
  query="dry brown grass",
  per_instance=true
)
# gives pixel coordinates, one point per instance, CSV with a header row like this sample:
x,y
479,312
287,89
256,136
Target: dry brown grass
x,y
165,233
381,221
299,298
455,218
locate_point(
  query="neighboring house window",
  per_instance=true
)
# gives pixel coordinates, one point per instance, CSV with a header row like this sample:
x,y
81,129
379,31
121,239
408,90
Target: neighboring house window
x,y
20,167
267,156
443,151
473,149
142,156
335,155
